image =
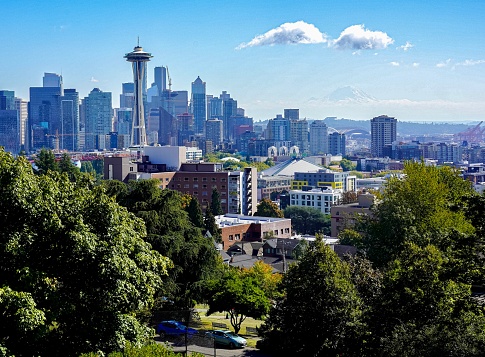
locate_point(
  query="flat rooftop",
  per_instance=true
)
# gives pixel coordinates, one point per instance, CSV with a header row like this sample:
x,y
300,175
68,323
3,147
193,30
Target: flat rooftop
x,y
232,219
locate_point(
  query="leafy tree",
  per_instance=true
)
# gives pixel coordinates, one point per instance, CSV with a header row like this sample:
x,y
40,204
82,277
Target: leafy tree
x,y
75,256
239,294
215,205
65,165
195,213
267,208
308,220
347,165
45,161
316,319
171,233
149,350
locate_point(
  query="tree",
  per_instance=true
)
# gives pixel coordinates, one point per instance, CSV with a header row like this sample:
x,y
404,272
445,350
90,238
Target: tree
x,y
65,165
347,165
45,161
308,220
195,213
239,294
215,205
315,319
75,256
210,225
267,208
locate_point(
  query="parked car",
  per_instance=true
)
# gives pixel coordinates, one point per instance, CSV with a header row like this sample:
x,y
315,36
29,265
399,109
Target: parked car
x,y
174,328
227,338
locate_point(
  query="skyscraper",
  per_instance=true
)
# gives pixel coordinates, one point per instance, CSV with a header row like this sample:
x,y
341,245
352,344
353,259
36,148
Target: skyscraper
x,y
9,122
69,131
52,80
214,131
318,137
98,112
299,134
138,58
292,114
336,143
383,132
161,79
21,106
198,105
229,109
278,129
44,121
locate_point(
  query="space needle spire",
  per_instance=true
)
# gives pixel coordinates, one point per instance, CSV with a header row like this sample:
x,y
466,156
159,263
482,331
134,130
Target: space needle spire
x,y
138,59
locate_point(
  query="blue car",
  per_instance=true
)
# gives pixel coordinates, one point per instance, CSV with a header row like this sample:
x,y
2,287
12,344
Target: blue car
x,y
174,328
227,338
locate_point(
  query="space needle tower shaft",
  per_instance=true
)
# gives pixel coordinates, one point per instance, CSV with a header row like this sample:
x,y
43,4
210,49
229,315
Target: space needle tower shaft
x,y
138,59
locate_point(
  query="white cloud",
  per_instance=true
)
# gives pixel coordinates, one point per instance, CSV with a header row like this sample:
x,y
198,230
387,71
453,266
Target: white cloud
x,y
356,53
470,62
298,32
356,37
415,64
406,46
443,64
395,64
94,80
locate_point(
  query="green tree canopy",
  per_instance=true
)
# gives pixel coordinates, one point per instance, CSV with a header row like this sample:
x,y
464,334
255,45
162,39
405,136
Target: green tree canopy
x,y
215,205
319,312
267,208
70,253
347,165
308,220
195,213
45,161
241,294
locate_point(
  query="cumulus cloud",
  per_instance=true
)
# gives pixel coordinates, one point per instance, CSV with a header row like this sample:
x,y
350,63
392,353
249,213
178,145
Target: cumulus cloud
x,y
395,64
94,80
357,37
470,63
298,32
415,64
444,64
406,46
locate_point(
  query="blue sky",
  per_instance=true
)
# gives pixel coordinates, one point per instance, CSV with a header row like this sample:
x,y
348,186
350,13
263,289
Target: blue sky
x,y
419,61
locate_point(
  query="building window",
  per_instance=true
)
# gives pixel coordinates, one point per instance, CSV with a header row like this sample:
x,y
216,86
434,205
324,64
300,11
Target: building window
x,y
275,232
223,180
287,230
223,193
178,186
237,237
131,169
196,179
214,186
204,179
204,186
166,179
204,193
186,179
231,237
195,185
223,186
196,193
186,185
213,179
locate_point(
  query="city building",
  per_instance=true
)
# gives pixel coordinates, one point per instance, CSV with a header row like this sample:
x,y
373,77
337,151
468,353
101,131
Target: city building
x,y
278,129
320,198
44,113
325,177
247,228
138,59
336,143
10,130
383,132
98,119
299,134
291,114
229,109
214,131
21,105
344,216
68,138
198,105
318,137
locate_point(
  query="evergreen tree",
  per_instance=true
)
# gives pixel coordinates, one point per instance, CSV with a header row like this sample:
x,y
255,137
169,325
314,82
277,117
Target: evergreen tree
x,y
45,161
211,225
215,204
195,213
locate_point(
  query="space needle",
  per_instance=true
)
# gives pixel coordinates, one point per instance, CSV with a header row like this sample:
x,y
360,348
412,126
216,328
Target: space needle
x,y
138,59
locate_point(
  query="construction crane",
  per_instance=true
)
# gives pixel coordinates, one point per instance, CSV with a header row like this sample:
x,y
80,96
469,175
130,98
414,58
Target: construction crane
x,y
471,135
169,91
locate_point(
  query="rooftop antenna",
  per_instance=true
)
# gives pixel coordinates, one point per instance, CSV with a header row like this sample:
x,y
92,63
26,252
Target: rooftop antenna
x,y
138,42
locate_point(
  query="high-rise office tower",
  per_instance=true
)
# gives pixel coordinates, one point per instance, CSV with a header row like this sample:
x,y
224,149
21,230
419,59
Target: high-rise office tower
x,y
127,96
214,131
138,59
98,112
44,123
52,80
9,122
21,105
278,129
383,132
161,79
318,137
299,134
198,105
214,108
336,143
292,114
185,127
7,100
69,133
229,109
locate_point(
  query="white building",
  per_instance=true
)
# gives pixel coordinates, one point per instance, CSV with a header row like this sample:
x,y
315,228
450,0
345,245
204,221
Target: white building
x,y
193,153
172,156
321,199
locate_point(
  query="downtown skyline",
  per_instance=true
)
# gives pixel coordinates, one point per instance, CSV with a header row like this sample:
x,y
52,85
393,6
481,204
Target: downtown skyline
x,y
410,60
